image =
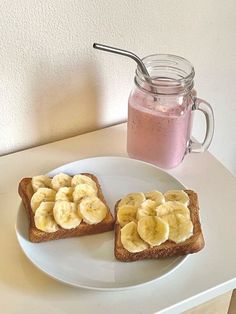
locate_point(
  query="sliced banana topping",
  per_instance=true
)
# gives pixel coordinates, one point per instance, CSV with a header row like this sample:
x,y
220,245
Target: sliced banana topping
x,y
147,208
66,214
83,179
83,190
44,219
61,180
134,199
131,240
181,228
92,209
159,217
155,196
172,207
72,196
41,182
177,195
65,194
42,195
153,230
177,215
126,214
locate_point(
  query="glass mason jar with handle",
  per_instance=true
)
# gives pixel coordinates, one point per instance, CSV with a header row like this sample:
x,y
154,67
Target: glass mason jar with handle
x,y
160,112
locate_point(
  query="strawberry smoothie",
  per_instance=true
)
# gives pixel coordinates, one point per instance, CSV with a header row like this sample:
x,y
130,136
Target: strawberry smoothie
x,y
158,132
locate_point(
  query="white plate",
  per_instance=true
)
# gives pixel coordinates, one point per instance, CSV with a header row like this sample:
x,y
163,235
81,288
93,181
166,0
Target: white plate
x,y
89,261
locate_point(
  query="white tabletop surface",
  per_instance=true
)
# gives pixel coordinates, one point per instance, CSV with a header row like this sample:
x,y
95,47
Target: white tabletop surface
x,y
211,272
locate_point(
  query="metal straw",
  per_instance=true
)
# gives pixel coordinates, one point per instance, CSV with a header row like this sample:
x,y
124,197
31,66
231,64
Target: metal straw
x,y
127,54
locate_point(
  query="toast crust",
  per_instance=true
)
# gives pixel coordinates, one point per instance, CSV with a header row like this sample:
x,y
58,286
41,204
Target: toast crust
x,y
169,248
25,191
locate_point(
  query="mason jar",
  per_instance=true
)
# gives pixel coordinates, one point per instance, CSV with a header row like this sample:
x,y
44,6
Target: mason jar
x,y
160,112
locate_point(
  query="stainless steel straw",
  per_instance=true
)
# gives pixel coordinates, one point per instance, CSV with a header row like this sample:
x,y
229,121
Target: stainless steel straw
x,y
127,54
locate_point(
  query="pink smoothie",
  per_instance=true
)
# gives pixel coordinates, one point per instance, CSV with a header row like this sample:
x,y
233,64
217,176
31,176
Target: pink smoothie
x,y
157,133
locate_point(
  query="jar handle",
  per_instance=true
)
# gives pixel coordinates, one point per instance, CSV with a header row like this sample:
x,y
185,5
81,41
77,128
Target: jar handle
x,y
205,107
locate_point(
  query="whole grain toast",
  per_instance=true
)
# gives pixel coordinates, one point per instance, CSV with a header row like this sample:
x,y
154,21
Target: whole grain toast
x,y
169,248
35,235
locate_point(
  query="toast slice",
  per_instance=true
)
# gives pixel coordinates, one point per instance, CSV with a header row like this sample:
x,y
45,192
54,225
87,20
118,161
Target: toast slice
x,y
35,235
169,248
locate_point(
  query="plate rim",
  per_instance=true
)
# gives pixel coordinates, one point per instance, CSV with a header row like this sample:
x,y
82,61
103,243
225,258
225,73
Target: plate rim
x,y
87,287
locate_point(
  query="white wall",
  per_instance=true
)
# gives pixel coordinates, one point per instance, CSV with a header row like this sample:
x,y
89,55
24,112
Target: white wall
x,y
53,84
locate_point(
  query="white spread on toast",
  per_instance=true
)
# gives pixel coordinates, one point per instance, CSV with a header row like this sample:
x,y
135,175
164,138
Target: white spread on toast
x,y
65,201
154,219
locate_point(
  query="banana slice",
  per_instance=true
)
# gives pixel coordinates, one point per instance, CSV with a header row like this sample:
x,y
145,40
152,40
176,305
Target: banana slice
x,y
126,214
181,228
155,196
83,190
60,180
134,199
44,219
147,208
42,195
130,238
171,207
66,214
177,215
41,182
153,230
92,209
65,194
83,179
177,195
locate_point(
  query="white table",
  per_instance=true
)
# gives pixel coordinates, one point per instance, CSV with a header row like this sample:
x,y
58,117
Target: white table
x,y
211,272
